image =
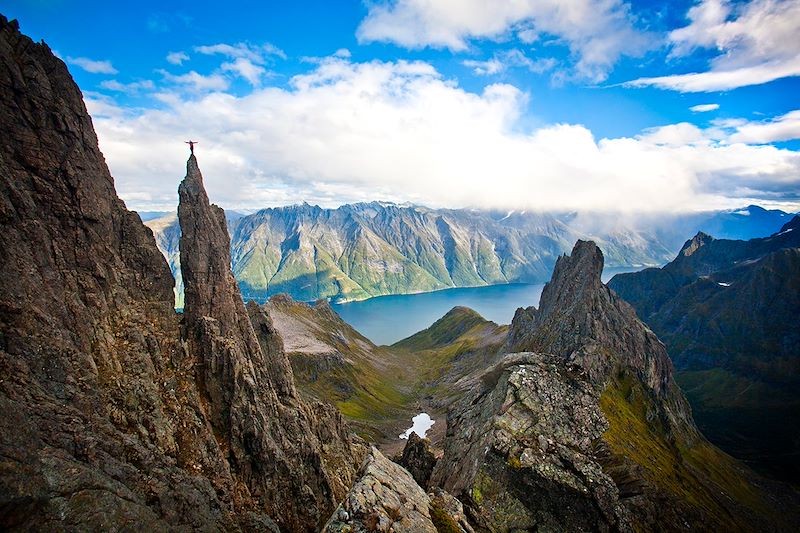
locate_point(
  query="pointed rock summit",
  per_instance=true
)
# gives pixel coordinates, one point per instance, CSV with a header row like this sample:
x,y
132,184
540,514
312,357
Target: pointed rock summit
x,y
584,322
694,244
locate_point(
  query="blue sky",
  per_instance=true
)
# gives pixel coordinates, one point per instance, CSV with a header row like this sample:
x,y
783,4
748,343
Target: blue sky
x,y
572,104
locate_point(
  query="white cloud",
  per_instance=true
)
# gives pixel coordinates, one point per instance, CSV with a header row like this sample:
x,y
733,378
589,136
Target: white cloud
x,y
254,54
485,68
129,88
757,43
358,131
177,58
196,81
783,128
704,108
246,69
597,32
506,59
674,135
92,65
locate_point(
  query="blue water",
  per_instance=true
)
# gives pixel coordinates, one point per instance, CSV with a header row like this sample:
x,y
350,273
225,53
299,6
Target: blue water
x,y
388,319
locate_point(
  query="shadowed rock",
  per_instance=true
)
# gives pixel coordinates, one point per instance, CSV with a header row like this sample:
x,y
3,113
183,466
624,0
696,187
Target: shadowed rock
x,y
385,498
591,434
418,459
584,322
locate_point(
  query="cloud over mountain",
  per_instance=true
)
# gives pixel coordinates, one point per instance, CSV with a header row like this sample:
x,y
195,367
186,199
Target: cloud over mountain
x,y
349,131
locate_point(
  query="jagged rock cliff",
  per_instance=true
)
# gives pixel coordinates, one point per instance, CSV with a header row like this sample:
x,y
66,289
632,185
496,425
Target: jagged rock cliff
x,y
591,433
295,459
582,320
113,414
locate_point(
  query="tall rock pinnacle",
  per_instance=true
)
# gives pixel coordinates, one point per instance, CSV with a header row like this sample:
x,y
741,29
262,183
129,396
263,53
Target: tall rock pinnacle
x,y
274,440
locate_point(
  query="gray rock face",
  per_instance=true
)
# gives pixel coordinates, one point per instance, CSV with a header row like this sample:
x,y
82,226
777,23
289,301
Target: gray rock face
x,y
418,459
584,322
111,416
591,434
96,407
385,498
522,452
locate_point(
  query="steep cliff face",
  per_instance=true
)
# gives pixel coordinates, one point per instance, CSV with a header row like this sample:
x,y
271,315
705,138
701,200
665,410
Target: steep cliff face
x,y
582,320
113,414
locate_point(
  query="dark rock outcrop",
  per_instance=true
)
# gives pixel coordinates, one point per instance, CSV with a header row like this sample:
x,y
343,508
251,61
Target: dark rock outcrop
x,y
583,321
521,453
113,415
418,459
297,460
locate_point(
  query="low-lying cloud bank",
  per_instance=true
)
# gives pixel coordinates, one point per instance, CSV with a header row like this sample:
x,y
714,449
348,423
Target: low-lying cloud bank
x,y
351,131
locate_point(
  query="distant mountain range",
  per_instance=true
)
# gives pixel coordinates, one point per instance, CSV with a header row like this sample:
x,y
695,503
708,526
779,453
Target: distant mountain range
x,y
728,313
362,250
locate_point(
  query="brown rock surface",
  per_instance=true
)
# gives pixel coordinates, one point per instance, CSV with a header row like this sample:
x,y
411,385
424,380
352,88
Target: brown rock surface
x,y
592,434
295,459
583,321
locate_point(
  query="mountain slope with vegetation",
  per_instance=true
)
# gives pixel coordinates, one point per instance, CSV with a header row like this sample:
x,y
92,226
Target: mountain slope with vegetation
x,y
363,250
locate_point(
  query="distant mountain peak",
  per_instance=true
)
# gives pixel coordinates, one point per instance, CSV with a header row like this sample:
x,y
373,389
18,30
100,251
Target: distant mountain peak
x,y
695,243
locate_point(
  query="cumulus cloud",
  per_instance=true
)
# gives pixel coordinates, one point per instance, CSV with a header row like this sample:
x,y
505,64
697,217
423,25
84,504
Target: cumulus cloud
x,y
783,128
177,58
704,108
246,60
197,81
597,32
757,42
246,69
92,65
255,54
350,131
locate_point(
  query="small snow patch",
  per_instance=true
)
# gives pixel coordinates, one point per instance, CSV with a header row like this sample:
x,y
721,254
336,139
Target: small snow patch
x,y
721,284
743,212
420,425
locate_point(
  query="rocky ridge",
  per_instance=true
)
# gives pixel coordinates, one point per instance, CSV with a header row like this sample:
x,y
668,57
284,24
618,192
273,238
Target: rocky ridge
x,y
296,458
590,433
118,413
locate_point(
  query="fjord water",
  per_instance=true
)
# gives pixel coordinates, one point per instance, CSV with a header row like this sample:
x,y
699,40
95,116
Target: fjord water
x,y
388,319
